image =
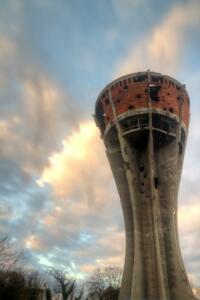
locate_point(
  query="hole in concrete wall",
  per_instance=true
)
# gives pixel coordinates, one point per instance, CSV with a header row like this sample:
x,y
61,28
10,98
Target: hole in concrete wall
x,y
106,101
153,91
130,107
171,110
182,136
156,182
142,183
141,168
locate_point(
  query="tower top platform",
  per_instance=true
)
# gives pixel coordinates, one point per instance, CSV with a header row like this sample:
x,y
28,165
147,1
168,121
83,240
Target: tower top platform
x,y
139,93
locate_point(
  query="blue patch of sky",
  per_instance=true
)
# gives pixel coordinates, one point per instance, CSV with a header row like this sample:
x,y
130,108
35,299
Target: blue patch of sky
x,y
78,43
85,237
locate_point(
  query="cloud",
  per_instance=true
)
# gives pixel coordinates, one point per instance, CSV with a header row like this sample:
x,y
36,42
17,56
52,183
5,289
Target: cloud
x,y
163,49
79,171
85,215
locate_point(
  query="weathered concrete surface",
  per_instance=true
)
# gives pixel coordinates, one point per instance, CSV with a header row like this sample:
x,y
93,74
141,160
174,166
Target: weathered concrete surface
x,y
153,217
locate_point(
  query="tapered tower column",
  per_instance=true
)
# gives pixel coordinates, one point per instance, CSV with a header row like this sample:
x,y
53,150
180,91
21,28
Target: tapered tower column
x,y
143,119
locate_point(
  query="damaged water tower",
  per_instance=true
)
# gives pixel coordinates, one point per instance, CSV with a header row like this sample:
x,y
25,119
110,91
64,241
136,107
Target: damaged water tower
x,y
143,119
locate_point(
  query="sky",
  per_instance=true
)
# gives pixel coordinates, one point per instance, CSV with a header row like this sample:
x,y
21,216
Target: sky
x,y
57,195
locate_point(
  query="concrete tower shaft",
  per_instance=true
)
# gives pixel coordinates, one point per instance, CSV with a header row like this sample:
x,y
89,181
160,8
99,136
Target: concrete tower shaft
x,y
143,119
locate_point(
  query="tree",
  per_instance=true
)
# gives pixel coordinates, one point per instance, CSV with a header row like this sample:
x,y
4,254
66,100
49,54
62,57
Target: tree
x,y
34,280
12,285
106,279
97,284
9,257
113,277
63,283
16,282
78,297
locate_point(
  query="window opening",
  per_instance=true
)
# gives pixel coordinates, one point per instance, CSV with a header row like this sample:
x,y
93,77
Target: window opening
x,y
156,78
153,91
139,78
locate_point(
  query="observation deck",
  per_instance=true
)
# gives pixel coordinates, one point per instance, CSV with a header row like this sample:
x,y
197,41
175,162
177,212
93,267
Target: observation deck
x,y
136,95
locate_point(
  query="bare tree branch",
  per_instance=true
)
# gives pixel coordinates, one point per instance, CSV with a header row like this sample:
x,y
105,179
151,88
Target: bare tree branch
x,y
64,284
101,280
10,258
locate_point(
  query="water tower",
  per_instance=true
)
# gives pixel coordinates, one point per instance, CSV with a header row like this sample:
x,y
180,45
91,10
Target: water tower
x,y
143,119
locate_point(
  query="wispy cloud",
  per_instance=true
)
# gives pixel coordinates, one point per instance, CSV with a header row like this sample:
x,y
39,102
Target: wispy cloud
x,y
162,50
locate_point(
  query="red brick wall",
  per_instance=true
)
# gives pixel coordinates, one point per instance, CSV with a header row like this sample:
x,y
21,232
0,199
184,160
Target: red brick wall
x,y
128,94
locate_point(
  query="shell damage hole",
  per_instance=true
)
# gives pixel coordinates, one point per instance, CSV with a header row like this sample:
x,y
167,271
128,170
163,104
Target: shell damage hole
x,y
154,91
106,101
156,182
